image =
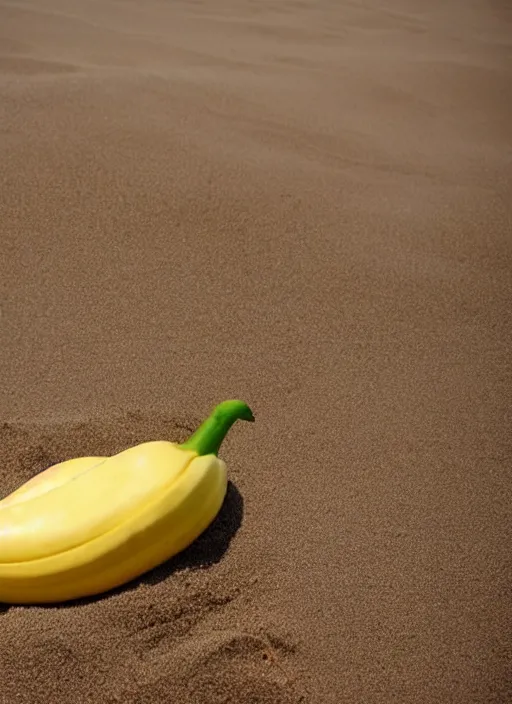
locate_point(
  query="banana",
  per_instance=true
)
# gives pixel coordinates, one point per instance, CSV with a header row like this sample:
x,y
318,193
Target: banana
x,y
50,478
90,524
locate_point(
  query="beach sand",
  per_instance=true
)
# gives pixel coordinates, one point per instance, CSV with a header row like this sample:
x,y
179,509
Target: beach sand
x,y
305,205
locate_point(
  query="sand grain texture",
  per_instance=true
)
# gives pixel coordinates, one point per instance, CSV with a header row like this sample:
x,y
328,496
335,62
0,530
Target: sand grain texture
x,y
305,205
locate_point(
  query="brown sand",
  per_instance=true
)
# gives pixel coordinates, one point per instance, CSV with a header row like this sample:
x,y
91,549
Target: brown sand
x,y
305,205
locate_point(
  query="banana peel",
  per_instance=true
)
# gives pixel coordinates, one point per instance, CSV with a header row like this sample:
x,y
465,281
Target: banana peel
x,y
90,524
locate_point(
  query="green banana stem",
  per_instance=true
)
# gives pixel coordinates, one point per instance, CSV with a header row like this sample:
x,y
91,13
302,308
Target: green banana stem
x,y
209,436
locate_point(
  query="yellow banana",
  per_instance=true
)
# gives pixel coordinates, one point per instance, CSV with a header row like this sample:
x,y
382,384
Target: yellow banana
x,y
50,479
90,524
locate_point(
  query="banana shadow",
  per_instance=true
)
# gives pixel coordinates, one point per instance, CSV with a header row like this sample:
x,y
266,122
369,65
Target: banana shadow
x,y
205,551
210,547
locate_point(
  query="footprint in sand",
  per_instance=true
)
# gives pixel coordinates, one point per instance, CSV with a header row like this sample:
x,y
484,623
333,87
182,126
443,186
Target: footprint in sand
x,y
223,666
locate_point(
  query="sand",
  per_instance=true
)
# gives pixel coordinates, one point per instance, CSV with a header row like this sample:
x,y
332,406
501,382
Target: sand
x,y
305,205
